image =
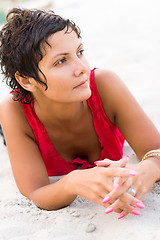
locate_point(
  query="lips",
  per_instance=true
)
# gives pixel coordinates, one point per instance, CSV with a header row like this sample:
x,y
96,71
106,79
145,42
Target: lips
x,y
81,84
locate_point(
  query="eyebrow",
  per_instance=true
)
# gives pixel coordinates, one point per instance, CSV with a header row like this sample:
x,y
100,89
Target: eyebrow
x,y
59,54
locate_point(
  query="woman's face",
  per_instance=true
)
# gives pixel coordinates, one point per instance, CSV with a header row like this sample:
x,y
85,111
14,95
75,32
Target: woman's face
x,y
66,69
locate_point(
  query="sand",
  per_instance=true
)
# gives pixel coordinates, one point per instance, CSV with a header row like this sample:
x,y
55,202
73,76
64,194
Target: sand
x,y
122,36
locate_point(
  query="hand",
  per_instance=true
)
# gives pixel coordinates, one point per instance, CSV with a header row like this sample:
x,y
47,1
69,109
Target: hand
x,y
110,163
126,202
123,201
93,184
148,173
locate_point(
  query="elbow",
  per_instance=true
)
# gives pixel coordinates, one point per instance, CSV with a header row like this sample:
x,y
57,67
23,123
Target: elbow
x,y
44,204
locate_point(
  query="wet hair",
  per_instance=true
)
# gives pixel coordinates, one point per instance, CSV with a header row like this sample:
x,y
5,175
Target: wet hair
x,y
22,41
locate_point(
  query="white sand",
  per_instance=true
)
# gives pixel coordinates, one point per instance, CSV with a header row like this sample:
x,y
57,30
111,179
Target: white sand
x,y
122,36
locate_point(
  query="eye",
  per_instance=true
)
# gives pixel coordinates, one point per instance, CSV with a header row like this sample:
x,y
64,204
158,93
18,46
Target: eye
x,y
61,61
80,52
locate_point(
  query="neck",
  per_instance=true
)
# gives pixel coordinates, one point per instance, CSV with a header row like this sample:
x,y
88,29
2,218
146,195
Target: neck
x,y
58,114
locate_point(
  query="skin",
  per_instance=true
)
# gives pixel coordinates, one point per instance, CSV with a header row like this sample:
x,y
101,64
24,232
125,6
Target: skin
x,y
64,112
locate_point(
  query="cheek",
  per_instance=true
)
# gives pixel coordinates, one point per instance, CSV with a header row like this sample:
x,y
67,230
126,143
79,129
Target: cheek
x,y
61,85
86,62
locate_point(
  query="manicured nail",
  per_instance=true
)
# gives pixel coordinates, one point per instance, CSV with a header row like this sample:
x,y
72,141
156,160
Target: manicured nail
x,y
136,212
133,173
109,210
106,199
97,161
140,205
116,186
121,216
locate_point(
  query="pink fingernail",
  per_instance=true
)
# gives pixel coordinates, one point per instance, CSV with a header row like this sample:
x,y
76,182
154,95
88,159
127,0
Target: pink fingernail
x,y
97,161
121,216
109,210
140,205
116,186
106,199
133,173
136,212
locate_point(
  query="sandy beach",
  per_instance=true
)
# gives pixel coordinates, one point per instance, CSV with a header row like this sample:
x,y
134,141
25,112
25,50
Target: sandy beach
x,y
122,36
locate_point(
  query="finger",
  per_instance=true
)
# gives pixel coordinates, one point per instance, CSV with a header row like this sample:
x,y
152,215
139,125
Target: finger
x,y
103,163
122,215
126,201
140,193
132,201
122,162
118,181
107,162
116,193
119,172
128,209
138,197
124,196
118,205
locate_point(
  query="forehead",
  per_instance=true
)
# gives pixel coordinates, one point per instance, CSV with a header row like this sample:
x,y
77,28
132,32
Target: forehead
x,y
62,40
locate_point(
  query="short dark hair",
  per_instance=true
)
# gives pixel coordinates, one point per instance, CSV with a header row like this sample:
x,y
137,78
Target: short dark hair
x,y
21,41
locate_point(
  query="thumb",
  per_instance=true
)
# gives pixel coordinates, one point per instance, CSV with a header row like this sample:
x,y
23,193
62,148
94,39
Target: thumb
x,y
107,162
123,162
103,163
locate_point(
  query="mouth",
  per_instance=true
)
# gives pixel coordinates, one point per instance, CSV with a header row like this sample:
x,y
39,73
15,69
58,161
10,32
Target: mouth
x,y
81,84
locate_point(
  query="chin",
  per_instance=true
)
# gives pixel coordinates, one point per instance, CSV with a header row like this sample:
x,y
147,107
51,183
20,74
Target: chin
x,y
85,95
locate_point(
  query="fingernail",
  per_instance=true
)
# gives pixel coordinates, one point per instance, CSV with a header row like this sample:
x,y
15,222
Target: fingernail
x,y
136,212
116,186
140,205
133,173
109,210
106,199
121,216
97,161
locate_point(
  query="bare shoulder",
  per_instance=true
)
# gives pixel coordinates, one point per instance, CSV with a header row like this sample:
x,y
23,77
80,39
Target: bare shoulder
x,y
26,161
8,107
12,117
104,74
124,111
107,80
111,90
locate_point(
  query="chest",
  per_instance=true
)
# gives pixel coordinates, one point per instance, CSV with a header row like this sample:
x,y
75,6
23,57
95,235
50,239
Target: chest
x,y
77,141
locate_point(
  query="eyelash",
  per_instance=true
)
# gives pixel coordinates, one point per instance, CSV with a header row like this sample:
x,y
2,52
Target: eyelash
x,y
81,52
62,60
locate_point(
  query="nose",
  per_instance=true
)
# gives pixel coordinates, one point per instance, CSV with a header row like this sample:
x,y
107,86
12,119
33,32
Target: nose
x,y
81,67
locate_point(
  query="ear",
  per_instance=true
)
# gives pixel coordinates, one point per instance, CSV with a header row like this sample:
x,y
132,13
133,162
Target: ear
x,y
27,83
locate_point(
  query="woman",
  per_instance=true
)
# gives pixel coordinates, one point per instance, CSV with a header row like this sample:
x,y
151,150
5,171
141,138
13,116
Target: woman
x,y
64,117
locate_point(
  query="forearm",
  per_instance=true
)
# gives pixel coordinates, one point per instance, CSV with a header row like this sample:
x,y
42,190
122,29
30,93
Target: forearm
x,y
149,167
153,164
53,196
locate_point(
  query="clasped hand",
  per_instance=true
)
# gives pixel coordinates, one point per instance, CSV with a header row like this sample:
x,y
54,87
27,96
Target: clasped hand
x,y
108,185
122,198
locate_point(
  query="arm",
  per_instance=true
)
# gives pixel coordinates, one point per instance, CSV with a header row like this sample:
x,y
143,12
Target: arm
x,y
123,111
27,164
30,172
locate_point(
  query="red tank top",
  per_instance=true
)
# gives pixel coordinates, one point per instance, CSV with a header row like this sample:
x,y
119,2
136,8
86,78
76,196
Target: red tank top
x,y
110,138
